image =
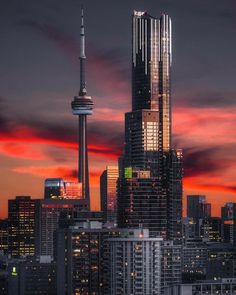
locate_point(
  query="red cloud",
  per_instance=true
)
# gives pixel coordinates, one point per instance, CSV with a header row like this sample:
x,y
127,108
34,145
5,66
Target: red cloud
x,y
19,140
195,183
65,172
19,150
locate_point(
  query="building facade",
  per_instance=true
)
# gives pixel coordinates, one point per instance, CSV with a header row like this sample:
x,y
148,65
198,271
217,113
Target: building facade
x,y
34,276
148,147
224,286
58,188
171,264
49,215
135,263
227,217
83,259
22,226
4,236
108,193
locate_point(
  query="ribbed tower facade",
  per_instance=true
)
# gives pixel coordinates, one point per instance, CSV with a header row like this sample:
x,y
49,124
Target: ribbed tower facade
x,y
82,106
150,171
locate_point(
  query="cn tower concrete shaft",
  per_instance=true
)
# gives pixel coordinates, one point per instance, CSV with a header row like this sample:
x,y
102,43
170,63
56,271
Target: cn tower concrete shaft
x,y
83,175
82,105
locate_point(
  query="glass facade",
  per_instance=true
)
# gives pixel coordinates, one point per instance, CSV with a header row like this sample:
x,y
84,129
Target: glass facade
x,y
22,226
58,188
83,259
108,193
151,66
148,135
135,263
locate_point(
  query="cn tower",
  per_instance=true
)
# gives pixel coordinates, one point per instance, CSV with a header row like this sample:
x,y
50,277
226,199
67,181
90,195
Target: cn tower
x,y
82,105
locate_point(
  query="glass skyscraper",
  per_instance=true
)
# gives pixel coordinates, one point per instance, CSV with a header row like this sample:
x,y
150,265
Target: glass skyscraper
x,y
148,146
108,193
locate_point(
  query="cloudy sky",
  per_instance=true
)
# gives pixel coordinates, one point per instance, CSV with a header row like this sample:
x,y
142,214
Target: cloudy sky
x,y
39,75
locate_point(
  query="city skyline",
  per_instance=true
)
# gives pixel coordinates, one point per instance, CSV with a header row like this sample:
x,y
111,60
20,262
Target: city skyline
x,y
33,148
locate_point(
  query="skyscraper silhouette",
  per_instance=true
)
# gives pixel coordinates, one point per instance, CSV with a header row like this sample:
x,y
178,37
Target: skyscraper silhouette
x,y
150,173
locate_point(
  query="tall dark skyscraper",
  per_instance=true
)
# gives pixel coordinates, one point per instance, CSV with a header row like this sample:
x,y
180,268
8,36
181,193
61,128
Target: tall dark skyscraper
x,y
83,259
82,106
22,226
148,147
195,206
108,193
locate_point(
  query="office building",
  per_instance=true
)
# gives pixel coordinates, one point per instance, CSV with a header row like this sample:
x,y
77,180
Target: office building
x,y
198,209
221,261
210,229
227,217
212,287
49,214
4,236
32,276
22,226
108,193
148,147
234,224
70,218
3,275
171,264
147,206
58,188
194,260
83,259
135,263
195,206
189,229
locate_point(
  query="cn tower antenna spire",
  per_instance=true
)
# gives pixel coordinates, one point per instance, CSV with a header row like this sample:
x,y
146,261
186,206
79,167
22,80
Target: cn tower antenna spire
x,y
82,106
82,57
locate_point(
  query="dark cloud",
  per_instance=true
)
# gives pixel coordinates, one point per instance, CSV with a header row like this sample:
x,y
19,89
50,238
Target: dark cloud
x,y
108,69
205,161
5,120
110,134
102,137
52,33
205,99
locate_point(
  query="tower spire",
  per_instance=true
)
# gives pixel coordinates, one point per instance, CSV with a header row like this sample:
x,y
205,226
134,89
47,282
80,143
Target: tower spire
x,y
82,57
82,106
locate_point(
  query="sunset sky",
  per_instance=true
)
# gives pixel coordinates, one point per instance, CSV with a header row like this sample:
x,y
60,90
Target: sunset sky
x,y
39,76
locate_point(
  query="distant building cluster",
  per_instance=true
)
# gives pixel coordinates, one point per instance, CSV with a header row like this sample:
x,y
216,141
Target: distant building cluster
x,y
139,244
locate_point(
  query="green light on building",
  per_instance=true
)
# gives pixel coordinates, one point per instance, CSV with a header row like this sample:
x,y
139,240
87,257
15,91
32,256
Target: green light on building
x,y
14,273
128,172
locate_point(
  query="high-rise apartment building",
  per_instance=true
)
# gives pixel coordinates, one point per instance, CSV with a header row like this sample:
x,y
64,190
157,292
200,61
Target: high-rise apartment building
x,y
171,264
148,136
189,229
211,229
227,217
32,276
49,215
22,226
4,236
198,209
83,259
147,203
135,263
108,193
195,206
234,224
194,260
